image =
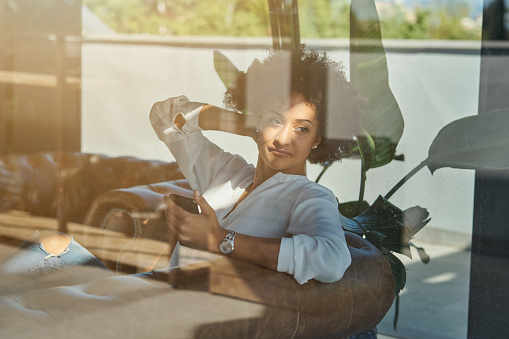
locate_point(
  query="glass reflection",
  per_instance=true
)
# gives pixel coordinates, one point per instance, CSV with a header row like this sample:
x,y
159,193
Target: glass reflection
x,y
434,83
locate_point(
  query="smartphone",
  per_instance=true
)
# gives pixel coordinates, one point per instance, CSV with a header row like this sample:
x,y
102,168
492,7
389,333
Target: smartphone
x,y
186,203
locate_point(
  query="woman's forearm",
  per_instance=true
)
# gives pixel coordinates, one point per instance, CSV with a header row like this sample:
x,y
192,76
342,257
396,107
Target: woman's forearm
x,y
259,251
219,119
203,232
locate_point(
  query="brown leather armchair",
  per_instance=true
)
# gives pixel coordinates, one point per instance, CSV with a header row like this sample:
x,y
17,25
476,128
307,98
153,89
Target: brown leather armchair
x,y
64,184
92,189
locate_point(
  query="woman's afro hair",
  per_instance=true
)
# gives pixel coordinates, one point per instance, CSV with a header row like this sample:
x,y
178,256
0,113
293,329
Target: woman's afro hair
x,y
319,80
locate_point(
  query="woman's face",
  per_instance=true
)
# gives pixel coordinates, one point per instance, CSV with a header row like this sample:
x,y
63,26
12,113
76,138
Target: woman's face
x,y
287,133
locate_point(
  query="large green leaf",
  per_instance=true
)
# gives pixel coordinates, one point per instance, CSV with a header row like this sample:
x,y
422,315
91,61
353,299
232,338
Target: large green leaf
x,y
351,225
225,69
376,238
398,271
384,218
349,209
478,142
389,229
415,218
381,117
367,150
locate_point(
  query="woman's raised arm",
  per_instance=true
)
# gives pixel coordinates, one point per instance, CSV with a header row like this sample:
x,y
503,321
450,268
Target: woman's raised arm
x,y
219,119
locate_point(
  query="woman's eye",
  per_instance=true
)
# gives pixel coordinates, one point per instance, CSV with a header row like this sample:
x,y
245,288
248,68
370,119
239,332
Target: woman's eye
x,y
302,129
276,122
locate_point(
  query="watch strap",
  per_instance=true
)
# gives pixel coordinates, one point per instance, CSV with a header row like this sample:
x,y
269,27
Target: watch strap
x,y
230,236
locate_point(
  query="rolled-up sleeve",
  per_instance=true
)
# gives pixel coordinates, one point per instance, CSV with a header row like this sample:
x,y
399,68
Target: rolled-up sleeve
x,y
164,113
317,248
199,159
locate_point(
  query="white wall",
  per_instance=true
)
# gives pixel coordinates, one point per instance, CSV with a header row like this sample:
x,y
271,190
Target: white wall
x,y
121,82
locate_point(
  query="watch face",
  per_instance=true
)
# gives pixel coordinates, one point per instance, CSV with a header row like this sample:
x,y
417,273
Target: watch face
x,y
225,247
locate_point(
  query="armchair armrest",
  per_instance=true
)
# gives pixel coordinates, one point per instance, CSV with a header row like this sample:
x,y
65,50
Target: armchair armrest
x,y
354,304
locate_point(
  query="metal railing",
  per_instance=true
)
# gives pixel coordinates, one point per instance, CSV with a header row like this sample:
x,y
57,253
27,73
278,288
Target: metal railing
x,y
222,42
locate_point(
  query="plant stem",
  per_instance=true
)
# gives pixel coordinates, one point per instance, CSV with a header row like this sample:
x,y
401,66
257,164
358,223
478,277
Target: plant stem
x,y
326,167
396,313
362,188
405,179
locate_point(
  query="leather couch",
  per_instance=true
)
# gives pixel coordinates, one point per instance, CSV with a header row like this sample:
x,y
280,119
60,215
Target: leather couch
x,y
65,184
255,303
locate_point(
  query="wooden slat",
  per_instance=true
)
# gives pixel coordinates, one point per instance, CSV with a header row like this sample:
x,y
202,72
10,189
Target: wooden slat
x,y
35,79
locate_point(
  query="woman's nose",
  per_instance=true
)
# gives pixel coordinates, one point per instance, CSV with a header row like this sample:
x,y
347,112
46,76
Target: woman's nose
x,y
284,136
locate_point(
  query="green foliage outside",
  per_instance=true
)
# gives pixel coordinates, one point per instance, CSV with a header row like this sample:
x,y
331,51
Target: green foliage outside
x,y
444,22
184,17
318,19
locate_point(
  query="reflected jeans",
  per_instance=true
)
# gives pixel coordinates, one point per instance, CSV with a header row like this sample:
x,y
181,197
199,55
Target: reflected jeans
x,y
29,264
31,267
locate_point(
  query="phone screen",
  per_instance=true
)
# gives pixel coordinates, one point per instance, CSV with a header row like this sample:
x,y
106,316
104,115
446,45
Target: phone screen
x,y
186,203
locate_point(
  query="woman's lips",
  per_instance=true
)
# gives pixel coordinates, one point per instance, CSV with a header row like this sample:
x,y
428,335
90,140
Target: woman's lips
x,y
279,152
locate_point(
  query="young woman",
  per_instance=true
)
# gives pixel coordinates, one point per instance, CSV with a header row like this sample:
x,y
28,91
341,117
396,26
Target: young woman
x,y
270,215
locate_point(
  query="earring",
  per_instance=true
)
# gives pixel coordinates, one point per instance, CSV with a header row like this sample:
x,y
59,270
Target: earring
x,y
257,130
315,146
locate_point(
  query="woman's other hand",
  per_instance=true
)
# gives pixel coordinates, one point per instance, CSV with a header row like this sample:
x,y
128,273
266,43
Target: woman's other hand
x,y
198,231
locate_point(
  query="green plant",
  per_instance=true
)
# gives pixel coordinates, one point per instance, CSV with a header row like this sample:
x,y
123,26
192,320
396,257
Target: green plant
x,y
477,142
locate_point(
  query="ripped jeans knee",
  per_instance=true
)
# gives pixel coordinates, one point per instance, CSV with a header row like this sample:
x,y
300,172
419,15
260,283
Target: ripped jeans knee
x,y
54,244
33,266
33,255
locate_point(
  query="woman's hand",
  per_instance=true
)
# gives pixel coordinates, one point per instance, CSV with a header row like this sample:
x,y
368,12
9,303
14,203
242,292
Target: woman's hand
x,y
203,232
198,231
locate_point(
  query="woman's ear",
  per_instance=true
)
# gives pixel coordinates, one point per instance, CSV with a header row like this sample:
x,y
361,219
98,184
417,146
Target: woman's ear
x,y
318,140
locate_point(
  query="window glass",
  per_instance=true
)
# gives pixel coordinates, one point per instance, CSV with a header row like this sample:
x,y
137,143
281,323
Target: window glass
x,y
78,83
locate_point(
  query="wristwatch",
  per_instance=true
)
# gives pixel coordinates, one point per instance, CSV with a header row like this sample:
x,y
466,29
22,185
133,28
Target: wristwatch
x,y
227,245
